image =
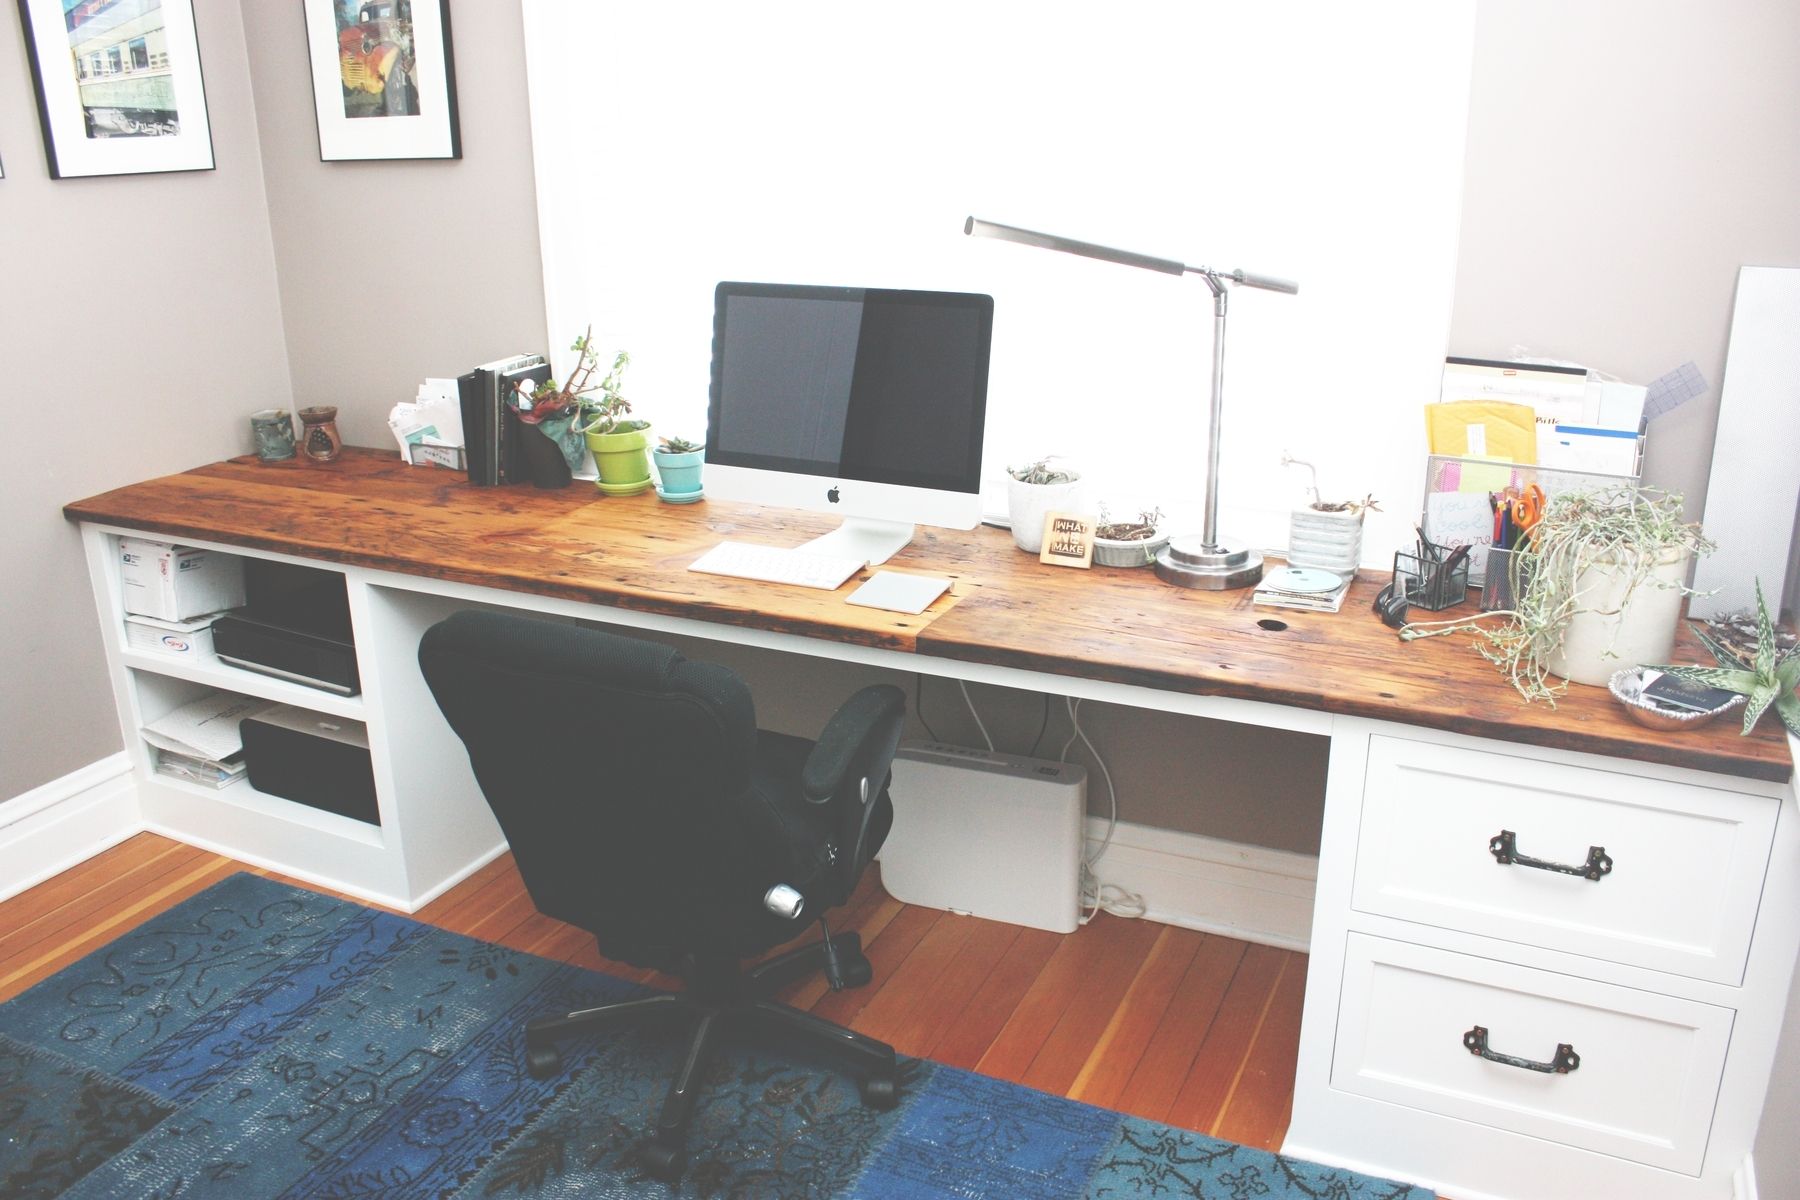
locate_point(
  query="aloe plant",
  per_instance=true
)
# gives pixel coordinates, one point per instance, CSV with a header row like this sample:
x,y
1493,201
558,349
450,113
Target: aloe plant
x,y
1769,680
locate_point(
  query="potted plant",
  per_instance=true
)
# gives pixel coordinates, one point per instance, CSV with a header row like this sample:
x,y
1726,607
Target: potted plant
x,y
1599,581
678,463
1034,491
1326,534
620,443
1129,543
1766,673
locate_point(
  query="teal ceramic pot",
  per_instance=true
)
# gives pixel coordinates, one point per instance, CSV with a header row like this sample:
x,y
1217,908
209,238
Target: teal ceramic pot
x,y
680,473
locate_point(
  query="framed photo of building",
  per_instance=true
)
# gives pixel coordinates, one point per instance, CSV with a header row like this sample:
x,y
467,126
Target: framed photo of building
x,y
384,83
118,86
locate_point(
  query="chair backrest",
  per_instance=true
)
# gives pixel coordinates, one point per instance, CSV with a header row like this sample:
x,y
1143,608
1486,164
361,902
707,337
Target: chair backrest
x,y
614,766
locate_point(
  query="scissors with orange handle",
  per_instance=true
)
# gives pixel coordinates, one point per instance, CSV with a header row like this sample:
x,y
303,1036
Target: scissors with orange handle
x,y
1526,510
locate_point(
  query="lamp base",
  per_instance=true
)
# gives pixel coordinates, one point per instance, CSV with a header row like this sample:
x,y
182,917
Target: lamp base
x,y
1190,563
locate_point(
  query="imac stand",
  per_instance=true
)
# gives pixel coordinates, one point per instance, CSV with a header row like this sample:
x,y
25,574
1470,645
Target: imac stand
x,y
874,542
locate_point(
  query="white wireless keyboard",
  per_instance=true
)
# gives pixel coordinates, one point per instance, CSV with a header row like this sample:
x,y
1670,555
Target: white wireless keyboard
x,y
775,564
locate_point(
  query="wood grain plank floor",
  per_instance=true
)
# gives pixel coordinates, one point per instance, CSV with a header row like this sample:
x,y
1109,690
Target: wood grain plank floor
x,y
1193,1029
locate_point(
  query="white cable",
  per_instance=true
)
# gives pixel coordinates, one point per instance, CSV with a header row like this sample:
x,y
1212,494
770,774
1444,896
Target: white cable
x,y
1096,895
964,685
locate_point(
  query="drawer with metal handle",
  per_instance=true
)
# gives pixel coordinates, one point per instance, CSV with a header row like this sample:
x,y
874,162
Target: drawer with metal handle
x,y
1604,864
1614,1070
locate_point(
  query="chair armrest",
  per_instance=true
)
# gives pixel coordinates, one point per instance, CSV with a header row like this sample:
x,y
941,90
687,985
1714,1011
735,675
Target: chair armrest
x,y
870,717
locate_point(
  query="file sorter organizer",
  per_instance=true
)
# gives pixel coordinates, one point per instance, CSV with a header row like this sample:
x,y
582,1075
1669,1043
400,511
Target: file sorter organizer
x,y
1446,475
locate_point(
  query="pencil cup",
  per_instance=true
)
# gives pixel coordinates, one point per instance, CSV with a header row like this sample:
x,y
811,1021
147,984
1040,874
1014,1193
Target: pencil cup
x,y
1430,584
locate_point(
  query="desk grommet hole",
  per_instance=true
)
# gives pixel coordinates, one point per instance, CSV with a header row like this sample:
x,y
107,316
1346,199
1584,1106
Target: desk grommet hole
x,y
1271,624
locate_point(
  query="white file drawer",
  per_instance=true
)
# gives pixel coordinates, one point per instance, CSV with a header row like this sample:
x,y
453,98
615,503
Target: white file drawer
x,y
1649,1064
1686,869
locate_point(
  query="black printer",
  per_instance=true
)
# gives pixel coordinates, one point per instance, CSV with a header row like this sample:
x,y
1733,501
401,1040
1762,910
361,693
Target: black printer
x,y
294,626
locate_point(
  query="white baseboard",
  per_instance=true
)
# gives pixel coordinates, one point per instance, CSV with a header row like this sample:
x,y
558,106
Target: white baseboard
x,y
1246,892
51,828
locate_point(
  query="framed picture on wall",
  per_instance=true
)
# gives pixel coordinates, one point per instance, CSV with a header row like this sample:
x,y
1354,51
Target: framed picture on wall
x,y
118,86
384,84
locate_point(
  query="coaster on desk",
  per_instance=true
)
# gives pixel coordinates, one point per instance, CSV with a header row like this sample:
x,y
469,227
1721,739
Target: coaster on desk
x,y
899,593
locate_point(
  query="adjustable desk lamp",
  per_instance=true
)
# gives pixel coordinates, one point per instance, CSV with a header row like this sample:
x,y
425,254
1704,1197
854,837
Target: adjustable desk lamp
x,y
1206,561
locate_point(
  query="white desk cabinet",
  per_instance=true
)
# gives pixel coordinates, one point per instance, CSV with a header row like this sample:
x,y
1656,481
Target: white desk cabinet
x,y
1585,1007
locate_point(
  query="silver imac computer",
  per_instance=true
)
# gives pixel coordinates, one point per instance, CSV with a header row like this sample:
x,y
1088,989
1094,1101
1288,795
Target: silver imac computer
x,y
864,402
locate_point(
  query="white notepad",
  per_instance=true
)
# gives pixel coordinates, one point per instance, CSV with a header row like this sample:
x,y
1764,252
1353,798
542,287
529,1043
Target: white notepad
x,y
899,593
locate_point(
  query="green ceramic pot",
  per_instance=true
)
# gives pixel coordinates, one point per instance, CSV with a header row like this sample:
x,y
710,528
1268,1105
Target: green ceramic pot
x,y
623,460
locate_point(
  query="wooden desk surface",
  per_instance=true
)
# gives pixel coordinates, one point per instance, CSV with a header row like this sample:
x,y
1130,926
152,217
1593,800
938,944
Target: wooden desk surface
x,y
369,509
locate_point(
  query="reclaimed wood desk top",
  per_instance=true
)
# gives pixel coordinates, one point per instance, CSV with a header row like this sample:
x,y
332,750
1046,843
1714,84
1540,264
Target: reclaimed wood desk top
x,y
369,509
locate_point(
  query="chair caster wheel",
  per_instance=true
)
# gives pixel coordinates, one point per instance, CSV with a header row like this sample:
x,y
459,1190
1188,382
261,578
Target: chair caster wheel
x,y
664,1162
542,1062
879,1092
854,972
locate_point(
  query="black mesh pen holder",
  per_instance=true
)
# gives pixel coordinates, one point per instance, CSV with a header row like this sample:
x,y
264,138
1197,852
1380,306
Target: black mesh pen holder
x,y
1432,583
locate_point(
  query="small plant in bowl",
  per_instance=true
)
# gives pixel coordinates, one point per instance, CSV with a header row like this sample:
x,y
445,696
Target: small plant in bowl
x,y
1034,491
1129,543
678,463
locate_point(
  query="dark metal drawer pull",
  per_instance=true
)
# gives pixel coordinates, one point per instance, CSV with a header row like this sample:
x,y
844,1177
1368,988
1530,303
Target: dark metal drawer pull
x,y
1566,1059
1505,849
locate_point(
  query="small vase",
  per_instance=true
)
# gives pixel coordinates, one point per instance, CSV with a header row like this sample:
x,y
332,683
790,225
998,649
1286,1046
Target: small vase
x,y
542,458
679,473
273,431
319,439
623,461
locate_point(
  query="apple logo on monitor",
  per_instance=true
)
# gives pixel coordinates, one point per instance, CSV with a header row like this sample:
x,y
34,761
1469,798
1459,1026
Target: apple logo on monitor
x,y
832,495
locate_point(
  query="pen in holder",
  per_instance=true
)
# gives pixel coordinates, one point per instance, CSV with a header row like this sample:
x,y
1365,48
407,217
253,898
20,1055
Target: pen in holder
x,y
1432,581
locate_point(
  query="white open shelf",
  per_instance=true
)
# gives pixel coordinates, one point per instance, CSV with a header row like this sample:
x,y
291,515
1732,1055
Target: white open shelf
x,y
241,794
211,671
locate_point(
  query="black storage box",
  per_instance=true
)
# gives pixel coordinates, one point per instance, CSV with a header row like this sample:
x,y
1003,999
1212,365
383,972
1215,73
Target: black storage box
x,y
311,759
296,626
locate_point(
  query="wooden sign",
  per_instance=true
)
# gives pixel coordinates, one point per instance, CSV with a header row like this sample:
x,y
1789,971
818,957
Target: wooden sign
x,y
1068,540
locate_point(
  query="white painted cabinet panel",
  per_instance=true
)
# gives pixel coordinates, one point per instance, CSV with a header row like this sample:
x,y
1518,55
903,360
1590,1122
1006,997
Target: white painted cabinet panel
x,y
1684,865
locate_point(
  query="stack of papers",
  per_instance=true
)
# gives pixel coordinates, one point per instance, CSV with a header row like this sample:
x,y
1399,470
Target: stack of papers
x,y
434,418
201,742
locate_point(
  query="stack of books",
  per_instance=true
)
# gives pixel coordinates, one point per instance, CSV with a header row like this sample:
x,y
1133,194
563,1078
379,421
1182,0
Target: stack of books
x,y
1302,587
490,427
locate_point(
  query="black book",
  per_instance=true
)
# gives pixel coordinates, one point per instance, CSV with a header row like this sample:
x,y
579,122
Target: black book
x,y
468,391
484,416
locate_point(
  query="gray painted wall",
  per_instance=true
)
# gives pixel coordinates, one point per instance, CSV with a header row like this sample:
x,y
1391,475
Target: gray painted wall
x,y
140,326
1622,163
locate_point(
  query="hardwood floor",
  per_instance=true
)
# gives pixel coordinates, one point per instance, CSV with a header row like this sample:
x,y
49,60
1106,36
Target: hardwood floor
x,y
1187,1028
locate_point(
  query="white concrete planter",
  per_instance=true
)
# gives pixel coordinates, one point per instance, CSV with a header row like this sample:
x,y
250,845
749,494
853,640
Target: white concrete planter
x,y
1027,504
1611,633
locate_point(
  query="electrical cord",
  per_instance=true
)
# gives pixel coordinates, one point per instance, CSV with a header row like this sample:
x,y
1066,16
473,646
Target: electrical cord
x,y
964,685
1096,895
919,704
1043,727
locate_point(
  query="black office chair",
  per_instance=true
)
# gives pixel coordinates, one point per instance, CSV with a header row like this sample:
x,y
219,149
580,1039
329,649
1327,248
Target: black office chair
x,y
642,803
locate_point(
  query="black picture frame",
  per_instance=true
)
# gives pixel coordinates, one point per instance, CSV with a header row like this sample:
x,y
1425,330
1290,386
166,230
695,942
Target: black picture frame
x,y
119,86
384,79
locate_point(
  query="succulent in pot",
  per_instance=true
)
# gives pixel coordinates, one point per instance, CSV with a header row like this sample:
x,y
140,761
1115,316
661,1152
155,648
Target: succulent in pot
x,y
1033,492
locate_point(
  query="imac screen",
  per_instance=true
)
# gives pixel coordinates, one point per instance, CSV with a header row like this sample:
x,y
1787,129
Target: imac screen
x,y
883,386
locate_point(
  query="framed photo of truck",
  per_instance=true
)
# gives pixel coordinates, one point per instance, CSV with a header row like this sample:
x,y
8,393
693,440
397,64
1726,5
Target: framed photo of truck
x,y
384,82
118,86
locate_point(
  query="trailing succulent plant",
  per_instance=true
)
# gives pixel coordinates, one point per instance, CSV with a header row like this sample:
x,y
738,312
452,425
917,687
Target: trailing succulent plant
x,y
1767,679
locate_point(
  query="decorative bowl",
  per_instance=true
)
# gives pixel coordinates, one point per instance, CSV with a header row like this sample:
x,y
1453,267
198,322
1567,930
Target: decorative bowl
x,y
1137,552
1627,688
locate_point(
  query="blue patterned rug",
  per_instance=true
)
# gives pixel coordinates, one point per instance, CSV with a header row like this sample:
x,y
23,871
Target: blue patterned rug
x,y
263,1041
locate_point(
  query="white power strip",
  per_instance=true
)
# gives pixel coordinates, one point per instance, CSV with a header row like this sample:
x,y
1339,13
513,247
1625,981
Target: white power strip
x,y
991,835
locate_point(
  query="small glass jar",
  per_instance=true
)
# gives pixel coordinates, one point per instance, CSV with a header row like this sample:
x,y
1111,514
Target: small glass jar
x,y
273,431
319,439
